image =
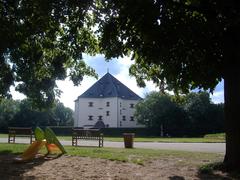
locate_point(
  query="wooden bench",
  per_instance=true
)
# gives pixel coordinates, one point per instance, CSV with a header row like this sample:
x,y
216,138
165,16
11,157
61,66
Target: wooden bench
x,y
87,134
14,132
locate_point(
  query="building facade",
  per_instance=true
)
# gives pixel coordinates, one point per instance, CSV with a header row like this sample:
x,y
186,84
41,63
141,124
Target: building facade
x,y
108,103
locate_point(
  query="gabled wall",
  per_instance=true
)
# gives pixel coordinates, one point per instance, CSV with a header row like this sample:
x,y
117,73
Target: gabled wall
x,y
117,109
99,108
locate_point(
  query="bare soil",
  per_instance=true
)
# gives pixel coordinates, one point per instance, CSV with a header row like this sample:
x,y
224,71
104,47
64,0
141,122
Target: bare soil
x,y
74,167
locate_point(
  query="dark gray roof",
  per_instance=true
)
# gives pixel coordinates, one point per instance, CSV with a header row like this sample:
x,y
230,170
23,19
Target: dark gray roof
x,y
109,86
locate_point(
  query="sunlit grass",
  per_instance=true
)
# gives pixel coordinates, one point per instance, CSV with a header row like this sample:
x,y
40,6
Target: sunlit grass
x,y
135,155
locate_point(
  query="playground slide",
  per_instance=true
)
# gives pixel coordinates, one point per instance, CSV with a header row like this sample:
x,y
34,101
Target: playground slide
x,y
52,139
31,151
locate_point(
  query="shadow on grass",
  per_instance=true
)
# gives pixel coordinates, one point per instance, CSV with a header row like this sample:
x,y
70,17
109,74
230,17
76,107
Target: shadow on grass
x,y
216,171
11,169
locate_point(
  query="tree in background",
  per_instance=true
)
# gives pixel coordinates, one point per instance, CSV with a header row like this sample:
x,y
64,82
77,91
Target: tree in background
x,y
195,115
204,116
158,110
28,116
63,115
194,44
8,109
23,113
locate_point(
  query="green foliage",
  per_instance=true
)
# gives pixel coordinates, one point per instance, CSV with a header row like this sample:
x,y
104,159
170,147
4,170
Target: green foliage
x,y
8,109
182,44
63,115
193,115
23,113
41,42
209,168
158,110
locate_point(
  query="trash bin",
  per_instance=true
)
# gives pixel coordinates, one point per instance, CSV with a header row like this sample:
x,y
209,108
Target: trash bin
x,y
128,139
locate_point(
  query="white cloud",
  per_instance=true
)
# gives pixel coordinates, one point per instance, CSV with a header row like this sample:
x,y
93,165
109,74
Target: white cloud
x,y
129,81
16,95
217,97
118,68
71,92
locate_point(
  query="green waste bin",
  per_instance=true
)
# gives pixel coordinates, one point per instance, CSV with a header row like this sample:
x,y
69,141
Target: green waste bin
x,y
128,139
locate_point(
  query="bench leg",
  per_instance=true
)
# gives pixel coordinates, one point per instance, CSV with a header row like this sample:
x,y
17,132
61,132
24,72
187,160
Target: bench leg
x,y
100,142
74,141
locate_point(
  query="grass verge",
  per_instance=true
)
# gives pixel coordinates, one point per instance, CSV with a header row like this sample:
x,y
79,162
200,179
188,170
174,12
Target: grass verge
x,y
138,156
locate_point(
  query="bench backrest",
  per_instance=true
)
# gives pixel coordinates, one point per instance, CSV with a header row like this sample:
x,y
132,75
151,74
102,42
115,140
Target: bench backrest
x,y
86,132
21,130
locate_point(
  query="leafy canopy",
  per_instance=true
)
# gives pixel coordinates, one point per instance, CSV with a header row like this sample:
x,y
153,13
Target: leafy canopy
x,y
41,42
185,44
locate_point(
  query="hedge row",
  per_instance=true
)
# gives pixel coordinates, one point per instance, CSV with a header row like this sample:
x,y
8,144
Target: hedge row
x,y
140,132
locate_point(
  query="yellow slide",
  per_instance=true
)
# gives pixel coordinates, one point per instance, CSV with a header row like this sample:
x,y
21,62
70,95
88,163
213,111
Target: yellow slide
x,y
31,151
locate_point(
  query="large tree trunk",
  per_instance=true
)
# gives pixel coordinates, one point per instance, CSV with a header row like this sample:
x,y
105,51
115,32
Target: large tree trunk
x,y
232,117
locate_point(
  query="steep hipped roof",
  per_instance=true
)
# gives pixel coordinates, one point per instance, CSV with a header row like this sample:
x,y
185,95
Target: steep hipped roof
x,y
109,86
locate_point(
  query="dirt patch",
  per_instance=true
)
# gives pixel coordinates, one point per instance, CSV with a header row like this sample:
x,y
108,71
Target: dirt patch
x,y
74,167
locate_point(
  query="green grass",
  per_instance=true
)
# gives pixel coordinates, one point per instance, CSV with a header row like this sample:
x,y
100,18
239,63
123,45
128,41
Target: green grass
x,y
12,148
215,136
3,135
137,156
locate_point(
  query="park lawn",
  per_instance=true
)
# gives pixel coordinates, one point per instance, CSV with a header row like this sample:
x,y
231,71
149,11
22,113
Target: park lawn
x,y
135,155
3,135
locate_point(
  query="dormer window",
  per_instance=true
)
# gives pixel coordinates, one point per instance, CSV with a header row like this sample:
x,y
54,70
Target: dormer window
x,y
107,104
90,104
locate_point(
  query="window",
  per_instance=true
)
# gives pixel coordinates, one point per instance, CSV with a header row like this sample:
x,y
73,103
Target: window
x,y
90,118
107,113
90,104
120,104
108,104
99,117
131,105
120,111
124,118
131,118
120,123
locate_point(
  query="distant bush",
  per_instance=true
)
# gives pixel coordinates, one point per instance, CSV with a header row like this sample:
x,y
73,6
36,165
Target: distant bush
x,y
217,136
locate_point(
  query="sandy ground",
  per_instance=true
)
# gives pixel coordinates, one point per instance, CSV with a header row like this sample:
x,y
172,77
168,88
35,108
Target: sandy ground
x,y
73,167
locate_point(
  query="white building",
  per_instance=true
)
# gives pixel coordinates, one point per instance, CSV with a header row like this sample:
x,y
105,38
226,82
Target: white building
x,y
107,103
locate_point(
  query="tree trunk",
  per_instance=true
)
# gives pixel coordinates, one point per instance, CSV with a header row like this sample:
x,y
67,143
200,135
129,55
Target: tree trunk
x,y
232,118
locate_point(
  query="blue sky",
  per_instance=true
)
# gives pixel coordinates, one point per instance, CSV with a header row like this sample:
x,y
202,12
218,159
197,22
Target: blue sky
x,y
119,69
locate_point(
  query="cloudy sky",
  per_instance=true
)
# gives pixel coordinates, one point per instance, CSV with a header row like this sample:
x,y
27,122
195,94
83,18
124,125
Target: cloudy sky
x,y
119,69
